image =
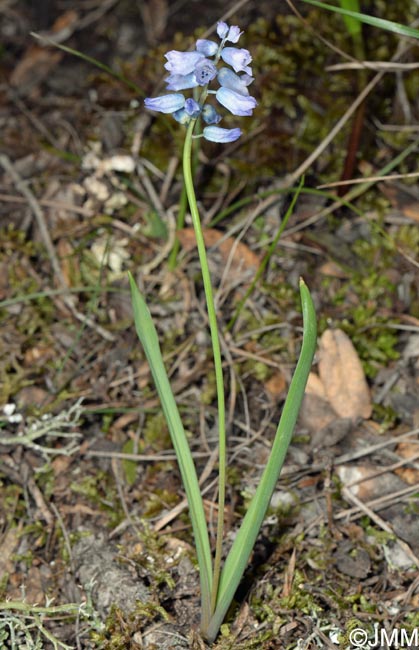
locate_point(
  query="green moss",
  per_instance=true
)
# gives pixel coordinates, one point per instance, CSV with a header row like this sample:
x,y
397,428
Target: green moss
x,y
367,298
13,506
412,620
351,625
159,501
380,536
209,388
234,476
107,420
412,507
301,599
256,369
99,488
295,113
16,242
120,628
129,467
45,479
156,434
385,415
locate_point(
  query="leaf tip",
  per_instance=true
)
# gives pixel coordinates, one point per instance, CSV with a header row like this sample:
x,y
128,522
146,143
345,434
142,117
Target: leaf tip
x,y
131,279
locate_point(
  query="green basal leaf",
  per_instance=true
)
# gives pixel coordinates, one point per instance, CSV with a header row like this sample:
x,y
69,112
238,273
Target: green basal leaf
x,y
244,542
353,25
147,334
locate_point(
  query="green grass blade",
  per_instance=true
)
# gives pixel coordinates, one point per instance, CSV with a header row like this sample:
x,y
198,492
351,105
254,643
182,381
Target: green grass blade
x,y
148,336
239,554
353,25
381,23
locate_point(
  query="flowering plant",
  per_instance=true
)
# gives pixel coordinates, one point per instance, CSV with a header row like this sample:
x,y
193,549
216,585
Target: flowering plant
x,y
197,70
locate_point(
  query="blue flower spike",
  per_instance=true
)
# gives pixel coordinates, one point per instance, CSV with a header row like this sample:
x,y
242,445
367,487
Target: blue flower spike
x,y
200,69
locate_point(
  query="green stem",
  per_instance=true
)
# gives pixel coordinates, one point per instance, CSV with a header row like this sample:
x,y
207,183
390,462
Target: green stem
x,y
180,220
212,320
